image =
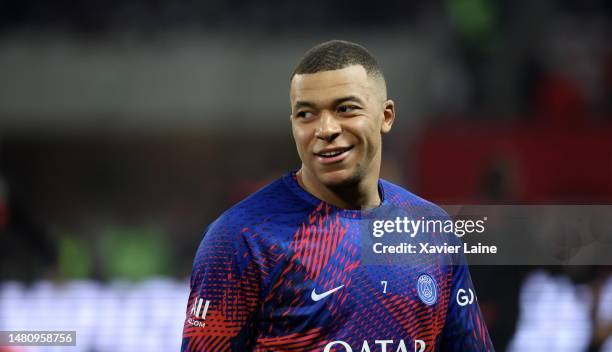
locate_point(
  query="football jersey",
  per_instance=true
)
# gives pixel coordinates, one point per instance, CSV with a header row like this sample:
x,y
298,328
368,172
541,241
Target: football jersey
x,y
285,271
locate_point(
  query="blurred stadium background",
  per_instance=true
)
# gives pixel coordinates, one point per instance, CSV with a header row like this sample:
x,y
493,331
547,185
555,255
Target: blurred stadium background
x,y
128,126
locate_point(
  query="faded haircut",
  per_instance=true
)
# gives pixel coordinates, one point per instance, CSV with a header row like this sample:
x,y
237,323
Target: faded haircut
x,y
336,55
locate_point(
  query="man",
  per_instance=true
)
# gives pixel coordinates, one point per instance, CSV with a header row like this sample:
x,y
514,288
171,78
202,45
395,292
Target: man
x,y
284,270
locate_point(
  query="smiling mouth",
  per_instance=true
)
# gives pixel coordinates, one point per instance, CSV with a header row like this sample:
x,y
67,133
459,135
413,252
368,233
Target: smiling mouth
x,y
333,152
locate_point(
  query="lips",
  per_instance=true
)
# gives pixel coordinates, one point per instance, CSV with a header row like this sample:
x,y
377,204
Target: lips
x,y
332,155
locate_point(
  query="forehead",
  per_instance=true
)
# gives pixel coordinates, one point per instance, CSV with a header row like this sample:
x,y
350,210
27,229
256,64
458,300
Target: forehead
x,y
329,85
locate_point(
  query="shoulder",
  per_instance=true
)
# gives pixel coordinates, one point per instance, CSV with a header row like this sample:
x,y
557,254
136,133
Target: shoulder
x,y
266,203
230,233
399,196
409,203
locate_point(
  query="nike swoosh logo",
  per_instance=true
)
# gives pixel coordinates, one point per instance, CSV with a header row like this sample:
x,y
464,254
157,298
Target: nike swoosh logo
x,y
319,296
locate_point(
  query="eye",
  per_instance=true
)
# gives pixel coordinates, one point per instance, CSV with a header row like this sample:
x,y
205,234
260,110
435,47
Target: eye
x,y
347,108
303,114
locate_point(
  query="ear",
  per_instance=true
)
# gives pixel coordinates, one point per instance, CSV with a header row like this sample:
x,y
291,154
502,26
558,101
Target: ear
x,y
388,116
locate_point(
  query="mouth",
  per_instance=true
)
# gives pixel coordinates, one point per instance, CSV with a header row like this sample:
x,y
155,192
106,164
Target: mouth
x,y
333,155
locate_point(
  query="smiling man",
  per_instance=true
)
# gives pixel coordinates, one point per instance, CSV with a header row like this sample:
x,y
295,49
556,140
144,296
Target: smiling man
x,y
339,116
284,269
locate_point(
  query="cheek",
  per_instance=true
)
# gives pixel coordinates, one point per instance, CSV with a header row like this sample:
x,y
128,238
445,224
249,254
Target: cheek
x,y
300,136
368,131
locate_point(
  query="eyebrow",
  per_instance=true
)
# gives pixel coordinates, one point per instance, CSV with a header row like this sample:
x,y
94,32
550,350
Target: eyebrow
x,y
307,104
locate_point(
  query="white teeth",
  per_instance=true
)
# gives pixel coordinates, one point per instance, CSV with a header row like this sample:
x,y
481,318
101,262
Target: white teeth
x,y
330,154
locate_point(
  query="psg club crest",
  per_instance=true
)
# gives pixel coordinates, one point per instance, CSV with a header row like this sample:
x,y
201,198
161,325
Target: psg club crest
x,y
427,289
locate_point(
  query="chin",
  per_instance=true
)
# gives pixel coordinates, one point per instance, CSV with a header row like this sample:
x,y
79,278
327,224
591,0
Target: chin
x,y
338,178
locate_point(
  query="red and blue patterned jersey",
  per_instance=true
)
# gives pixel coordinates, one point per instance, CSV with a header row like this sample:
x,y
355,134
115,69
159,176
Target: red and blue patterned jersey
x,y
284,271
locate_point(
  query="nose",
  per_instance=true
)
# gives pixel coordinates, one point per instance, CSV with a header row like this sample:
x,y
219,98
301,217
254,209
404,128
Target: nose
x,y
328,127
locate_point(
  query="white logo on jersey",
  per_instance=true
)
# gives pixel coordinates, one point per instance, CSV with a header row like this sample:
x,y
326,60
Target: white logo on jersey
x,y
196,309
379,345
319,296
463,299
420,344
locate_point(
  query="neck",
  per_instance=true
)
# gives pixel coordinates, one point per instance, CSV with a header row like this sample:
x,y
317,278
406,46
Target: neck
x,y
356,195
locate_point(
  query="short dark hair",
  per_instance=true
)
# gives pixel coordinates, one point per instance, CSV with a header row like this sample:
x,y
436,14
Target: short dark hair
x,y
336,55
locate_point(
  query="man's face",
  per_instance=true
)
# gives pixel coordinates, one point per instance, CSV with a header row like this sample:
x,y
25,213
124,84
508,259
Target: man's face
x,y
337,120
